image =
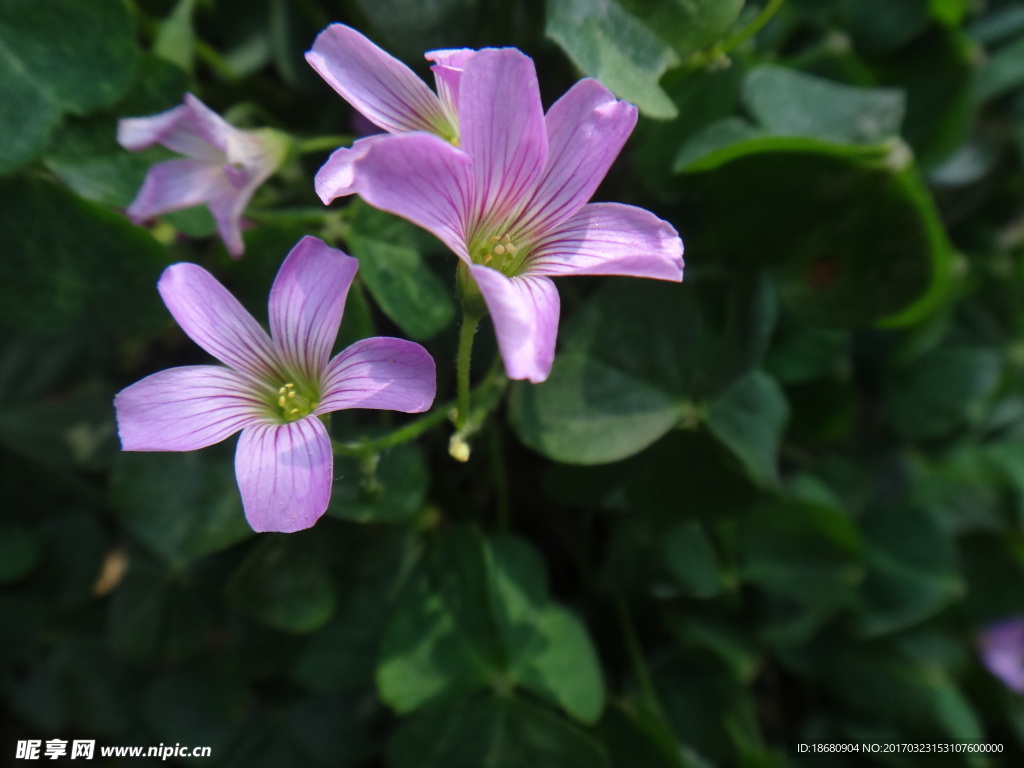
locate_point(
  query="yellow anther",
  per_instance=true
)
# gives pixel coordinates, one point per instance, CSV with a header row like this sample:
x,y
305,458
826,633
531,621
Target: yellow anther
x,y
280,401
488,258
510,248
292,394
499,250
293,411
494,238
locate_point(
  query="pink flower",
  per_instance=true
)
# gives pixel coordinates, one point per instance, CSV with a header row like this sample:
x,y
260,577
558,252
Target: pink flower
x,y
511,199
1002,651
222,168
384,91
274,388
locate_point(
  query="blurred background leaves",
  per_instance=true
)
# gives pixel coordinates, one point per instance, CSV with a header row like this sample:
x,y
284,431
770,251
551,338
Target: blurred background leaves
x,y
774,504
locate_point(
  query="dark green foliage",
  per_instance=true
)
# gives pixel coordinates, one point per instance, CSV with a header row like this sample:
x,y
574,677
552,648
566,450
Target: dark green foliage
x,y
774,504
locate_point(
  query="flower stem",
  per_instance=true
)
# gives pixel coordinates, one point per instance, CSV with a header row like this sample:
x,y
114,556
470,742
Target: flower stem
x,y
718,52
401,435
320,143
753,27
458,447
636,656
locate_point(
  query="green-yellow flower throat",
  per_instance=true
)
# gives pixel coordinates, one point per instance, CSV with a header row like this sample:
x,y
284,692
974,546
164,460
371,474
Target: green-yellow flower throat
x,y
500,253
294,403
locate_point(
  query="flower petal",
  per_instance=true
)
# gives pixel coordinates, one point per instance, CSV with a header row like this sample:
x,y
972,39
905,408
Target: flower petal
x,y
284,473
1002,651
524,311
174,129
610,239
253,156
217,131
421,178
447,68
383,373
214,320
184,409
227,209
306,304
376,83
336,177
501,124
586,130
176,184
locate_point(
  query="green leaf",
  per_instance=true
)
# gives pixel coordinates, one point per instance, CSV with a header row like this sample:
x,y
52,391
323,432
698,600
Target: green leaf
x,y
27,115
424,657
690,26
19,551
183,506
342,655
619,386
733,138
394,492
486,619
802,353
335,730
808,553
634,737
853,241
705,704
938,73
492,731
912,568
284,585
703,97
394,269
899,687
588,412
548,649
57,56
691,559
786,102
749,418
176,40
993,568
193,708
622,385
941,390
95,261
797,112
613,46
410,28
882,29
949,12
85,155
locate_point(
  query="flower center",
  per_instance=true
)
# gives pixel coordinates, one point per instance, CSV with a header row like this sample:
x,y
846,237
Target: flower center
x,y
295,403
499,253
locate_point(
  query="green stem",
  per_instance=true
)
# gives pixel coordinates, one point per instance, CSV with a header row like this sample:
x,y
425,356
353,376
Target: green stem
x,y
752,28
636,655
466,333
311,216
320,143
401,435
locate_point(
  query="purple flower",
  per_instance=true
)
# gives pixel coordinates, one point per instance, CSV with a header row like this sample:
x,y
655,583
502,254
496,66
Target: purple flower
x,y
222,168
384,91
1002,651
274,387
511,199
